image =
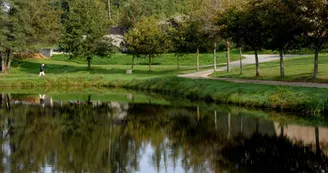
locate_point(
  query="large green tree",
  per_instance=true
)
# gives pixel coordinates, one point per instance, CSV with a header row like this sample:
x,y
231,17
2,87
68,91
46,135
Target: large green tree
x,y
148,37
86,22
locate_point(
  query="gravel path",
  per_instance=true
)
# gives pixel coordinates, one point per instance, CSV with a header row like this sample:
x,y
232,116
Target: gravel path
x,y
250,59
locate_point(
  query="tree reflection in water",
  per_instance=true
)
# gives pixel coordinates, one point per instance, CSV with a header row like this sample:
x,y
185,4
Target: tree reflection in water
x,y
262,153
91,136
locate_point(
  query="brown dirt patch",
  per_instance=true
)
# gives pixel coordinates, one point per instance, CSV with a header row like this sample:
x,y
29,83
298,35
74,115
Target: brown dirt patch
x,y
29,56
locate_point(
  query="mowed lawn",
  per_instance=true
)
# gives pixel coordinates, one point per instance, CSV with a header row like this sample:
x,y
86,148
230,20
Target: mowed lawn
x,y
111,68
296,69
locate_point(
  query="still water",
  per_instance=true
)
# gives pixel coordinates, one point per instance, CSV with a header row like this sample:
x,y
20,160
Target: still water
x,y
131,132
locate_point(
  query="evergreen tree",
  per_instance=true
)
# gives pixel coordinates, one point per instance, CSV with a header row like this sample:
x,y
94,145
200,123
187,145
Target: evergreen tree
x,y
85,26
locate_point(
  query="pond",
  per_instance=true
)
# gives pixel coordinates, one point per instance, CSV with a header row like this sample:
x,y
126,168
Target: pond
x,y
125,131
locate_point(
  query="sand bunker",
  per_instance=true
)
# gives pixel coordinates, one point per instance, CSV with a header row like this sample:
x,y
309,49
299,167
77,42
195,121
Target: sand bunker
x,y
29,56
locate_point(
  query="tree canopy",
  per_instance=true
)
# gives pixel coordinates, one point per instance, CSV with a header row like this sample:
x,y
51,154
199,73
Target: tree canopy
x,y
147,38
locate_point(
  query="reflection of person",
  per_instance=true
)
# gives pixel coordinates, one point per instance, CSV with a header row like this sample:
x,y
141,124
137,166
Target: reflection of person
x,y
42,70
42,100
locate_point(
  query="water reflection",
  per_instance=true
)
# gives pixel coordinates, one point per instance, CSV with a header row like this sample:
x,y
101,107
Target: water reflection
x,y
102,136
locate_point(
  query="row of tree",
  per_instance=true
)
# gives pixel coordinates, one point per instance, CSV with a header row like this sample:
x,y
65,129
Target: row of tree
x,y
278,25
256,24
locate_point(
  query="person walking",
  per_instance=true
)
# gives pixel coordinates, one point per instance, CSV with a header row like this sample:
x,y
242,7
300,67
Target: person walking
x,y
42,70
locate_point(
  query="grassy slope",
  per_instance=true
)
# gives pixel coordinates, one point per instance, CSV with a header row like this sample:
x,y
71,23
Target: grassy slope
x,y
299,99
296,69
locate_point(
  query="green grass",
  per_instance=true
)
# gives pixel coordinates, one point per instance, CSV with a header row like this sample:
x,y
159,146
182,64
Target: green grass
x,y
60,70
170,59
299,99
298,69
264,51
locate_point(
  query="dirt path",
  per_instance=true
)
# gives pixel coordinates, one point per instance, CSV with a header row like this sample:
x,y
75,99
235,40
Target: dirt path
x,y
249,59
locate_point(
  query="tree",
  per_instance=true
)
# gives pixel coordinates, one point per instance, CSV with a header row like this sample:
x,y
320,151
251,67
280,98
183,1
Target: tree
x,y
245,27
109,8
25,25
315,14
278,18
177,34
210,30
146,38
131,13
3,32
86,24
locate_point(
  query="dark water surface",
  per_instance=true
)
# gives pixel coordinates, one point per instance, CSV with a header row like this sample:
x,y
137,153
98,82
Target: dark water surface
x,y
123,132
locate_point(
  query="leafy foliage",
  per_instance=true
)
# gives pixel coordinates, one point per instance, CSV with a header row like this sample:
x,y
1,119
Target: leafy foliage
x,y
147,38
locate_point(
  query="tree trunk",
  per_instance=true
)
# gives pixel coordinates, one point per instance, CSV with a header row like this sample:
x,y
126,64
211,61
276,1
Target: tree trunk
x,y
198,114
178,60
214,55
282,130
229,126
257,64
9,62
7,102
89,63
1,98
215,121
317,141
316,62
228,55
132,66
89,99
282,68
197,59
149,62
1,62
109,12
241,62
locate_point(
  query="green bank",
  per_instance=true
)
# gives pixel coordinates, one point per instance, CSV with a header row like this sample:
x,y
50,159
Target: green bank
x,y
309,101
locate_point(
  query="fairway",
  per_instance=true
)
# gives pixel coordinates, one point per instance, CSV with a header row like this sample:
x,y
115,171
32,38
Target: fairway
x,y
111,68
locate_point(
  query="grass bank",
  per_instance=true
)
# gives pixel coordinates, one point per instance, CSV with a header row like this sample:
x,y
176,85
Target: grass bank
x,y
310,101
